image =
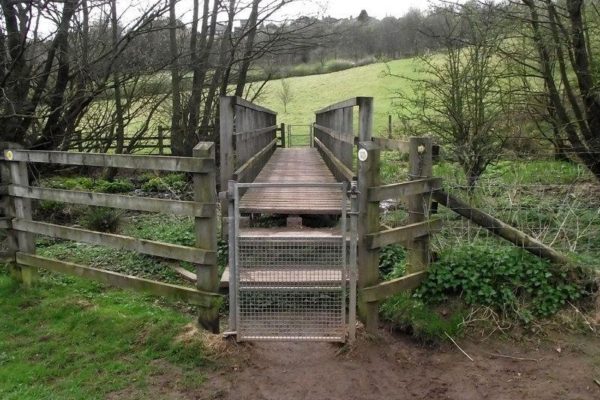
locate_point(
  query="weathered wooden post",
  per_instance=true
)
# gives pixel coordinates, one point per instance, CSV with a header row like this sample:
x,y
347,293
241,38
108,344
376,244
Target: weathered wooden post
x,y
19,208
226,155
282,130
368,220
420,167
204,185
161,148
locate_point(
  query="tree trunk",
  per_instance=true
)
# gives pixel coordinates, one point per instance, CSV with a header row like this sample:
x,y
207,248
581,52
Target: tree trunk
x,y
247,57
54,129
200,55
177,135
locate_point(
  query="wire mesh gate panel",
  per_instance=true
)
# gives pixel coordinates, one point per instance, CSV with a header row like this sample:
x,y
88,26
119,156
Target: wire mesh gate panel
x,y
291,284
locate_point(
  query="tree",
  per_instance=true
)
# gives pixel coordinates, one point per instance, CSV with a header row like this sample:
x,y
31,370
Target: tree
x,y
563,37
285,94
459,95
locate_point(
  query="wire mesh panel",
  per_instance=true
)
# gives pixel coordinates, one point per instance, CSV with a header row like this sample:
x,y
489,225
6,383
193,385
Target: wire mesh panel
x,y
290,284
291,288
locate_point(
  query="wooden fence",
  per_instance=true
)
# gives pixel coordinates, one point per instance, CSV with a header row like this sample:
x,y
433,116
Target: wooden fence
x,y
159,143
21,228
335,139
415,236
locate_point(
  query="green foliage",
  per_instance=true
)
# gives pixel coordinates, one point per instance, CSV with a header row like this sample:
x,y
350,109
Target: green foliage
x,y
409,314
506,279
71,339
536,172
71,183
170,182
101,219
164,228
83,183
391,261
115,186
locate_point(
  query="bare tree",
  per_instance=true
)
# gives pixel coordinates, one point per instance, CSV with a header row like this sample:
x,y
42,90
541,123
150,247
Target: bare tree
x,y
563,60
460,96
285,94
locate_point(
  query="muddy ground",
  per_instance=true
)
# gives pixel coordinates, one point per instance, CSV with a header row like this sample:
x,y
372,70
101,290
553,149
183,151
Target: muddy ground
x,y
396,367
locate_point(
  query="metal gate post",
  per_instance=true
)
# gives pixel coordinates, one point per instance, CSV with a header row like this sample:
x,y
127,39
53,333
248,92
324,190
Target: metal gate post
x,y
352,262
231,190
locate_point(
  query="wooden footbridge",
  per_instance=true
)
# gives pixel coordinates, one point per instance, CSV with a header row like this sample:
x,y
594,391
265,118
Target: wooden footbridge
x,y
299,283
286,281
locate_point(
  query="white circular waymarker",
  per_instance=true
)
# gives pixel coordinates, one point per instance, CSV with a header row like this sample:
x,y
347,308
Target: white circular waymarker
x,y
363,155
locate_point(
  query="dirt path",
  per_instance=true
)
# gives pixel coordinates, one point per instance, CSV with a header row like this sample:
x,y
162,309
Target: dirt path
x,y
394,367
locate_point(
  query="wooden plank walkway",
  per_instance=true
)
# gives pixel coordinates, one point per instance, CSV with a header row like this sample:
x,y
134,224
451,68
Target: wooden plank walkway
x,y
293,165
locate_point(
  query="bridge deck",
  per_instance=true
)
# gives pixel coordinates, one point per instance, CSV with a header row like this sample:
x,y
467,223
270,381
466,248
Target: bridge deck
x,y
293,165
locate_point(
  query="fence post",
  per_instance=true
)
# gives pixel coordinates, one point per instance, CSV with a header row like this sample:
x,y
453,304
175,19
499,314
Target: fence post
x,y
79,138
161,149
206,232
420,167
282,129
21,208
368,220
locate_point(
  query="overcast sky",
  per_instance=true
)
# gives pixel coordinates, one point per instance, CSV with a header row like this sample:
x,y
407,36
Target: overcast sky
x,y
333,8
347,8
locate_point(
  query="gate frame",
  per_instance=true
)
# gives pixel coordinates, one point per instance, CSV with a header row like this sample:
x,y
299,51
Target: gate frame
x,y
349,273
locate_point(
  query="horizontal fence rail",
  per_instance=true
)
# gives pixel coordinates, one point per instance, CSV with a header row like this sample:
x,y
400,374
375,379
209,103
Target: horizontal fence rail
x,y
174,292
119,242
133,203
162,163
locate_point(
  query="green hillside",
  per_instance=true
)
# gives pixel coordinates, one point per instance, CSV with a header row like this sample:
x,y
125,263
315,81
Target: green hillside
x,y
315,91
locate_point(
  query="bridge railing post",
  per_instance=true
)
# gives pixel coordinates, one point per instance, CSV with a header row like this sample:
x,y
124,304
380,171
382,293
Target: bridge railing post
x,y
226,152
282,131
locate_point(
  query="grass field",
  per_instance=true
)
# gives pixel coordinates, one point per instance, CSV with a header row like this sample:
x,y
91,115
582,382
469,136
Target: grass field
x,y
310,93
73,339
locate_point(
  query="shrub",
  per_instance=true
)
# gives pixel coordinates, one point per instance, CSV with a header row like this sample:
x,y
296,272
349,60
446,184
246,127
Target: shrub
x,y
55,211
391,261
102,219
71,183
169,182
116,186
338,65
507,279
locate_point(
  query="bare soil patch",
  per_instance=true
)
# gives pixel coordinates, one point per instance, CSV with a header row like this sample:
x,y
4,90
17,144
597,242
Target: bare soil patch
x,y
395,367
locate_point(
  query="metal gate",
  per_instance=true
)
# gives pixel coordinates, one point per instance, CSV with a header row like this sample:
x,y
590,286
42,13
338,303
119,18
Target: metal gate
x,y
299,135
292,284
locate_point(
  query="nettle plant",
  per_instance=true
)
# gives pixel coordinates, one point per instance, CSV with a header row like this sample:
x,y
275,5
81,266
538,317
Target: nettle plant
x,y
507,279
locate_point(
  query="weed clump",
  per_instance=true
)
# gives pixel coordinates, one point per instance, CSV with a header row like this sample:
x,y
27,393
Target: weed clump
x,y
102,219
506,279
